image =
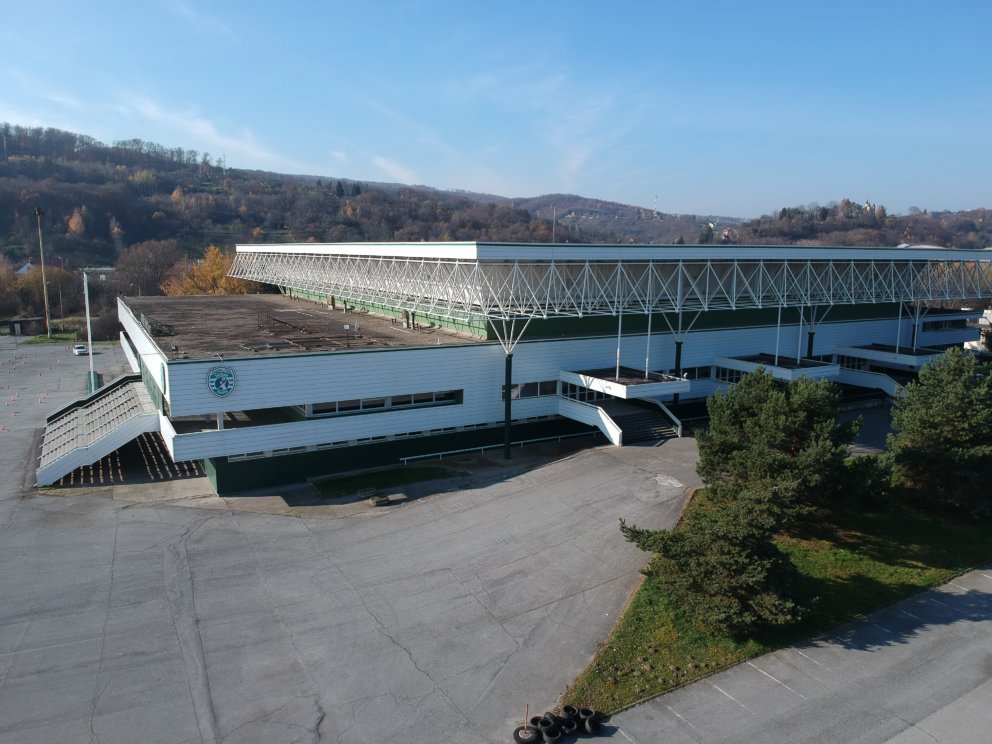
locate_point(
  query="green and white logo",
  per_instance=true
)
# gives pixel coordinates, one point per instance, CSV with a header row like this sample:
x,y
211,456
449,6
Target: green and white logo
x,y
221,381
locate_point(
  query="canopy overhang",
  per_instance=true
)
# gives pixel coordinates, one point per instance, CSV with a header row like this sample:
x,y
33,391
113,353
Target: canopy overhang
x,y
503,282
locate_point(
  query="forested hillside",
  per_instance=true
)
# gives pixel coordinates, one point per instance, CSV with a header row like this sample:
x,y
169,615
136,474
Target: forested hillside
x,y
849,223
99,199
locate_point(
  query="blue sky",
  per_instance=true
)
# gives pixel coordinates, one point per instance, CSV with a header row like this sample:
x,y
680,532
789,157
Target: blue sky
x,y
731,108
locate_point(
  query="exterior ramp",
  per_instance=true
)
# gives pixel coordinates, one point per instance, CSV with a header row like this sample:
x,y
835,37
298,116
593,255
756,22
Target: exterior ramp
x,y
94,426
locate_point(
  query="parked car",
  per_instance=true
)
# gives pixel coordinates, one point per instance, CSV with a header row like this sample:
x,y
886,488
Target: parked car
x,y
79,349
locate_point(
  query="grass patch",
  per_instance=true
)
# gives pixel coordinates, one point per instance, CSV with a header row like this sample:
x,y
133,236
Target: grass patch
x,y
379,480
57,338
853,560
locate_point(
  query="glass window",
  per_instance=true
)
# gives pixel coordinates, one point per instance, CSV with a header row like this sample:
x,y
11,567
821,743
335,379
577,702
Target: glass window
x,y
549,387
349,405
528,390
369,404
401,400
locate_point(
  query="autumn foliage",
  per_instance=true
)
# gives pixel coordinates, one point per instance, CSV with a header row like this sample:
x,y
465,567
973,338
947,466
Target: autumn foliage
x,y
207,276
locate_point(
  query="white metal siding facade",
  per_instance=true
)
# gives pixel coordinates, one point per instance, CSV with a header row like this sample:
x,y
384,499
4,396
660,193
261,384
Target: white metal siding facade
x,y
476,369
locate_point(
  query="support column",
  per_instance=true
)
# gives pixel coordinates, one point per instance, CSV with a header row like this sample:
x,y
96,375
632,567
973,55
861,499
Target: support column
x,y
778,331
508,339
899,327
507,411
678,368
809,343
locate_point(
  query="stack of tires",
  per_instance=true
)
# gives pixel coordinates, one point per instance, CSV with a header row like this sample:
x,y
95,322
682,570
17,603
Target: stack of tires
x,y
552,729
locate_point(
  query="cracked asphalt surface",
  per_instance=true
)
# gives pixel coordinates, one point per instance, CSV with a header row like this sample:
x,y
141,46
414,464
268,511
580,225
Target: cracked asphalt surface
x,y
438,620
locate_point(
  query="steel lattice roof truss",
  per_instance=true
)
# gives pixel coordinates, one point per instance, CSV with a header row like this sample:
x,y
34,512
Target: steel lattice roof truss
x,y
523,288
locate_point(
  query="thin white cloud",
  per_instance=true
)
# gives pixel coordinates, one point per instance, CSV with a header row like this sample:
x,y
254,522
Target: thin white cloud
x,y
199,21
394,170
339,156
193,129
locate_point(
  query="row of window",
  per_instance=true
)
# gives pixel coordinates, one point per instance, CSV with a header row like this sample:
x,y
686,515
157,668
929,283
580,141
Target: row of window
x,y
390,402
944,325
530,390
732,376
577,392
371,440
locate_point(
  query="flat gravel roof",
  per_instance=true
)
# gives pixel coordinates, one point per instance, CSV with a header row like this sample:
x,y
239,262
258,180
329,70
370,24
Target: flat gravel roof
x,y
271,324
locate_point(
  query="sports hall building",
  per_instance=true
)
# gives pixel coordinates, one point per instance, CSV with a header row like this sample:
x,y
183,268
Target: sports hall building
x,y
377,353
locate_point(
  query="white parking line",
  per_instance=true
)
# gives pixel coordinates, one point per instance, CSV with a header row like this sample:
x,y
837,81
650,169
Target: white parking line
x,y
880,627
624,735
943,604
680,716
959,586
775,679
810,658
985,575
724,692
915,617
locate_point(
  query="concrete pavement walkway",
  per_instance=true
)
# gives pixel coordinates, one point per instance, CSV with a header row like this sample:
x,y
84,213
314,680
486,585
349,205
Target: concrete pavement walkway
x,y
918,671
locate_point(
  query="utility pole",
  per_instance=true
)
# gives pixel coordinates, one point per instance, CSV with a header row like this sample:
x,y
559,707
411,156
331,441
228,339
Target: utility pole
x,y
44,282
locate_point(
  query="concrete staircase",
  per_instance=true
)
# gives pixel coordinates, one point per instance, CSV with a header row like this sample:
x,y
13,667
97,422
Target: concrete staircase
x,y
639,423
644,426
94,426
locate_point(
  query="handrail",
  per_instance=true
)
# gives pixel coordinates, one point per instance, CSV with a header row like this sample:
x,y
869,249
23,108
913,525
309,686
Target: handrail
x,y
865,378
90,397
484,447
667,412
603,420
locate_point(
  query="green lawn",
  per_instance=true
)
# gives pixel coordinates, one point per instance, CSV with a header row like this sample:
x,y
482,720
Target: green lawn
x,y
57,338
853,560
381,479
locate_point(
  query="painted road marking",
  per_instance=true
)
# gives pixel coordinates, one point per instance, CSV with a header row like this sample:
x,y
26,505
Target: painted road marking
x,y
775,679
624,735
943,604
812,659
880,627
680,716
724,692
915,617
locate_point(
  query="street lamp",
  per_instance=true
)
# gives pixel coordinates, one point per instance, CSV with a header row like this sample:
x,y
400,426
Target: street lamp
x,y
44,283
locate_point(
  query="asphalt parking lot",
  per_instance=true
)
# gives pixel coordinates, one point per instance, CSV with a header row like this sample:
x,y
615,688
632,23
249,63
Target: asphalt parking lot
x,y
138,620
126,615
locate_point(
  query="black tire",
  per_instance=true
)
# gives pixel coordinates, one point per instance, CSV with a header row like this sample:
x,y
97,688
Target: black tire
x,y
549,727
569,726
535,722
586,713
526,734
592,726
569,712
552,735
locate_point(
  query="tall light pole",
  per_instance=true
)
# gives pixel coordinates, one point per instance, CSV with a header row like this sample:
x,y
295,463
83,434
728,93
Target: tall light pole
x,y
44,282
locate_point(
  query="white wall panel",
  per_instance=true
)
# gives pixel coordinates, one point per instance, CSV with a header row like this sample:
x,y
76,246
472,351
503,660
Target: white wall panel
x,y
477,369
153,358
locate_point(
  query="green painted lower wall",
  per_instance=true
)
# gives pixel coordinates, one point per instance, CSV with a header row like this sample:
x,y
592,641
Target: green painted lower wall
x,y
632,324
712,320
234,477
476,327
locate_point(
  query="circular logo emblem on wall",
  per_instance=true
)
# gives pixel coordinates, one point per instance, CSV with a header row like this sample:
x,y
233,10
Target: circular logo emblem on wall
x,y
221,380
